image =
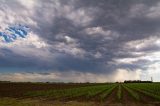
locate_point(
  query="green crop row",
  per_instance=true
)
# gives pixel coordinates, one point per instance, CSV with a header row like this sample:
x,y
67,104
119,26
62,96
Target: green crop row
x,y
119,93
88,92
132,93
150,89
107,92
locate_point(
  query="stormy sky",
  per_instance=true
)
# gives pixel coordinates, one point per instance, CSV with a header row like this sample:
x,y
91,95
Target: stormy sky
x,y
81,40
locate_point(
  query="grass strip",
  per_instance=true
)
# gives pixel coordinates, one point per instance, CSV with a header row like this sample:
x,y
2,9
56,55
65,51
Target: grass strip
x,y
70,93
119,93
148,93
132,93
106,93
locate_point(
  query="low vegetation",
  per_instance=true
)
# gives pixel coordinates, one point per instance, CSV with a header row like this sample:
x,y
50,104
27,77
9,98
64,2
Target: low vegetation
x,y
30,102
80,94
87,92
150,89
106,93
132,93
119,93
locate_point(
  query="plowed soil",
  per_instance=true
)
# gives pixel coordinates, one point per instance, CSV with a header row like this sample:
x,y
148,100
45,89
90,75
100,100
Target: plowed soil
x,y
18,89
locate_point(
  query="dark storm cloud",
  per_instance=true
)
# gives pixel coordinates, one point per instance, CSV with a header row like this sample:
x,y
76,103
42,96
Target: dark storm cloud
x,y
77,20
10,59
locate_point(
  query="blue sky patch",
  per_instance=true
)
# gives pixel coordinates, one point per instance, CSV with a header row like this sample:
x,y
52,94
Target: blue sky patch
x,y
13,32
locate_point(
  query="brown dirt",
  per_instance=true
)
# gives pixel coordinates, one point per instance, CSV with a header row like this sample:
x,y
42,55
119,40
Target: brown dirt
x,y
148,100
112,98
126,98
18,89
144,99
96,98
83,98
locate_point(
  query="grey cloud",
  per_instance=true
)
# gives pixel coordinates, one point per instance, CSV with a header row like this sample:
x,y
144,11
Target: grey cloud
x,y
96,51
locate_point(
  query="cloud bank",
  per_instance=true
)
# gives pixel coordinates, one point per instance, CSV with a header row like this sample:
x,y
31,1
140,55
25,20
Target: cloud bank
x,y
96,41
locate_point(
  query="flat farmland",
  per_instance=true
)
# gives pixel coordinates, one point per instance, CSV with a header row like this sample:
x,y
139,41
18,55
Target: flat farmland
x,y
79,94
18,89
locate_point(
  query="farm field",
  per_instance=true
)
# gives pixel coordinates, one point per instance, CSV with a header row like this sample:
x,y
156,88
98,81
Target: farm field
x,y
79,94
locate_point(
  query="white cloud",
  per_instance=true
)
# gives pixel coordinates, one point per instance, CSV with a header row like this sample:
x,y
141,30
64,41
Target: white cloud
x,y
31,12
123,74
28,3
125,60
30,46
98,55
97,30
138,47
140,44
101,32
154,11
31,40
28,77
65,38
81,16
142,10
69,45
152,58
11,14
139,50
71,49
152,71
26,13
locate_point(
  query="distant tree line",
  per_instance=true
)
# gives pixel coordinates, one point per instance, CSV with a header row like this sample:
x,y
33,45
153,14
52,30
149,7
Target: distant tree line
x,y
5,81
136,81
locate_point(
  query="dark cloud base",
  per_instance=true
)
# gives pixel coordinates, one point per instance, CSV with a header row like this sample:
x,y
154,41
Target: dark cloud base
x,y
126,21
